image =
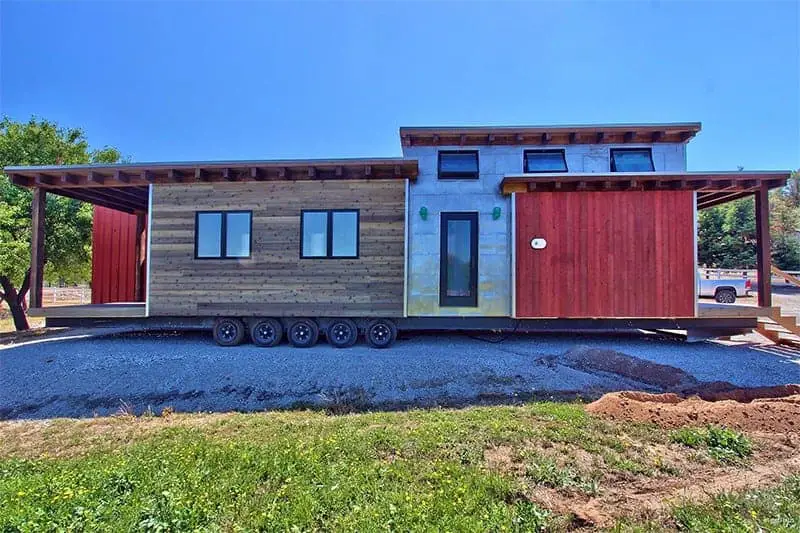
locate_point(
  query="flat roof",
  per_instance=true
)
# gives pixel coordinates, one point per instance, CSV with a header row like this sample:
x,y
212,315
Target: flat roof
x,y
668,132
124,186
713,188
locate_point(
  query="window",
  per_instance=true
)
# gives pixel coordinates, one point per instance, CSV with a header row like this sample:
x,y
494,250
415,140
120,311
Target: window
x,y
329,234
222,234
631,160
458,165
458,277
545,161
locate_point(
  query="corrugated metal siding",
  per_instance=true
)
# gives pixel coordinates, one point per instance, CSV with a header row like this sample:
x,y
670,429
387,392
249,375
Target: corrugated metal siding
x,y
113,256
608,254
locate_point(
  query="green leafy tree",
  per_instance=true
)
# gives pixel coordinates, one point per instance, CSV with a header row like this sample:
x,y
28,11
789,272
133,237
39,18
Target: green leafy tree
x,y
68,222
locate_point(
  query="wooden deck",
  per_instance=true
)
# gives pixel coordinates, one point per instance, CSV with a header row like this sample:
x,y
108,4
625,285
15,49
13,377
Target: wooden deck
x,y
111,310
715,310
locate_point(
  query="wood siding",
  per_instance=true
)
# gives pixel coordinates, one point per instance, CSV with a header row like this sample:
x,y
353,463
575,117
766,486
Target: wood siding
x,y
274,281
608,254
113,256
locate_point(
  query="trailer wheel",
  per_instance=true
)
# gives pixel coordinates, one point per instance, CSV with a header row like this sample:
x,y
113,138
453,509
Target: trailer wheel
x,y
266,332
381,333
725,296
228,331
342,333
303,333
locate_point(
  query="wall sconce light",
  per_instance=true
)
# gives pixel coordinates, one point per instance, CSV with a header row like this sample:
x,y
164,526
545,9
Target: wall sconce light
x,y
423,213
496,213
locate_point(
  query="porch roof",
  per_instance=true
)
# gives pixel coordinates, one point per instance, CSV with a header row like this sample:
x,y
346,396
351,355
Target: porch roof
x,y
124,186
668,132
713,187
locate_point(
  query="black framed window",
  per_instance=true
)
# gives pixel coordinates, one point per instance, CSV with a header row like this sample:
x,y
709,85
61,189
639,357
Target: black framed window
x,y
329,234
632,160
545,161
223,234
460,164
458,277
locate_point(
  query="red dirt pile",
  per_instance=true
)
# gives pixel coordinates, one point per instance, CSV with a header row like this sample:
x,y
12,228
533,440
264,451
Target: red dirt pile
x,y
765,409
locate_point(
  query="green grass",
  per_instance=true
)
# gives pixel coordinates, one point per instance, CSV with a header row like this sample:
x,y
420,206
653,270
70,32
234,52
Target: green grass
x,y
776,510
723,444
418,470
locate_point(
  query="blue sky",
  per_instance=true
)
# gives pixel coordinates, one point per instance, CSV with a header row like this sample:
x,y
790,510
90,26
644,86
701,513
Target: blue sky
x,y
202,81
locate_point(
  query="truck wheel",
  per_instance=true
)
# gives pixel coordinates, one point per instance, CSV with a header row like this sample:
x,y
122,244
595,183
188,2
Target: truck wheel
x,y
228,331
342,333
381,333
266,332
303,333
725,296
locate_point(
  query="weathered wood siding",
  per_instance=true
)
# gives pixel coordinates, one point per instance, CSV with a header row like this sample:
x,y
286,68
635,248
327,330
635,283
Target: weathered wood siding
x,y
274,281
608,254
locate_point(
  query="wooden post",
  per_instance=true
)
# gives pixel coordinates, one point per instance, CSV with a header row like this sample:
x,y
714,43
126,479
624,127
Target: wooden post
x,y
37,246
140,257
763,247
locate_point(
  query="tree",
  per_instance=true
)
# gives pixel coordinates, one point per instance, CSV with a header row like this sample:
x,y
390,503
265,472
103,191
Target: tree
x,y
68,222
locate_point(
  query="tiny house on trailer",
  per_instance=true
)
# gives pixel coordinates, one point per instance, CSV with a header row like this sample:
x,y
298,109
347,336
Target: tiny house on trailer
x,y
547,228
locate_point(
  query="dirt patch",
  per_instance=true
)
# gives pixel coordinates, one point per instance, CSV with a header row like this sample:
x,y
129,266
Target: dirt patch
x,y
654,375
648,498
745,411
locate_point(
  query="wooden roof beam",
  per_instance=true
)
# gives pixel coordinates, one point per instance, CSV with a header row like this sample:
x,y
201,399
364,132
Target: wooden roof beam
x,y
462,140
629,136
174,175
68,178
546,138
42,179
312,172
148,176
574,137
228,174
435,140
94,177
656,136
599,137
121,177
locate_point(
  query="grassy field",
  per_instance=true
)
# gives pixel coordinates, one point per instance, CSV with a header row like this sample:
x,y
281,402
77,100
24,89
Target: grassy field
x,y
542,466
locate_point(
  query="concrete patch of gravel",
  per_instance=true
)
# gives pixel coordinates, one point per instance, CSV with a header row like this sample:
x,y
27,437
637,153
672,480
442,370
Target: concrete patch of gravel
x,y
188,372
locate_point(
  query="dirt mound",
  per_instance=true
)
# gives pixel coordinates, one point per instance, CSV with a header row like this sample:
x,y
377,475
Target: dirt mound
x,y
655,375
771,412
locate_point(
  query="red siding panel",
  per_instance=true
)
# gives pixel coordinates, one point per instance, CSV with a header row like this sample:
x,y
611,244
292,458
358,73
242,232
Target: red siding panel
x,y
608,254
113,256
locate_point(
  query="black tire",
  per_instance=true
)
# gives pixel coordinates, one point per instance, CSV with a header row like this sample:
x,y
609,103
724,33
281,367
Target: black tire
x,y
342,333
381,333
266,332
725,296
303,333
229,331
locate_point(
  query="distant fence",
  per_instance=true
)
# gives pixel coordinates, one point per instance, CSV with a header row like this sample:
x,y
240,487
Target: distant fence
x,y
739,273
53,296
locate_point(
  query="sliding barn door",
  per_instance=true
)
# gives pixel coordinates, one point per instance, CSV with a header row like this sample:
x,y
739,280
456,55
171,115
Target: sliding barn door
x,y
605,254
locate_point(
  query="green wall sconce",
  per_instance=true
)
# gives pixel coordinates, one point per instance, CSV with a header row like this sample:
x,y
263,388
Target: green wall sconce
x,y
423,213
496,213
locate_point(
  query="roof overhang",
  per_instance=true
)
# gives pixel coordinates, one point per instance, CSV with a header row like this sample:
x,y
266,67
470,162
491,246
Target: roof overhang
x,y
670,132
713,187
125,186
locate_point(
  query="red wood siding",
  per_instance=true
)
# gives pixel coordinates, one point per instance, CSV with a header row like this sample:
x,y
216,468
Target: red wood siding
x,y
113,256
608,254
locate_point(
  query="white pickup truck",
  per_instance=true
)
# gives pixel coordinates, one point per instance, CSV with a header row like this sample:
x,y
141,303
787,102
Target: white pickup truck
x,y
725,291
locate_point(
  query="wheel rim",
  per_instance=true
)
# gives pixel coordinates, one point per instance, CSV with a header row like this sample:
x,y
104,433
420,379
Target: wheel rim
x,y
301,333
341,333
726,298
227,331
380,333
265,333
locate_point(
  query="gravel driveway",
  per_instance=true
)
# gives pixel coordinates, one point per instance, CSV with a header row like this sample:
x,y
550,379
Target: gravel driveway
x,y
188,372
